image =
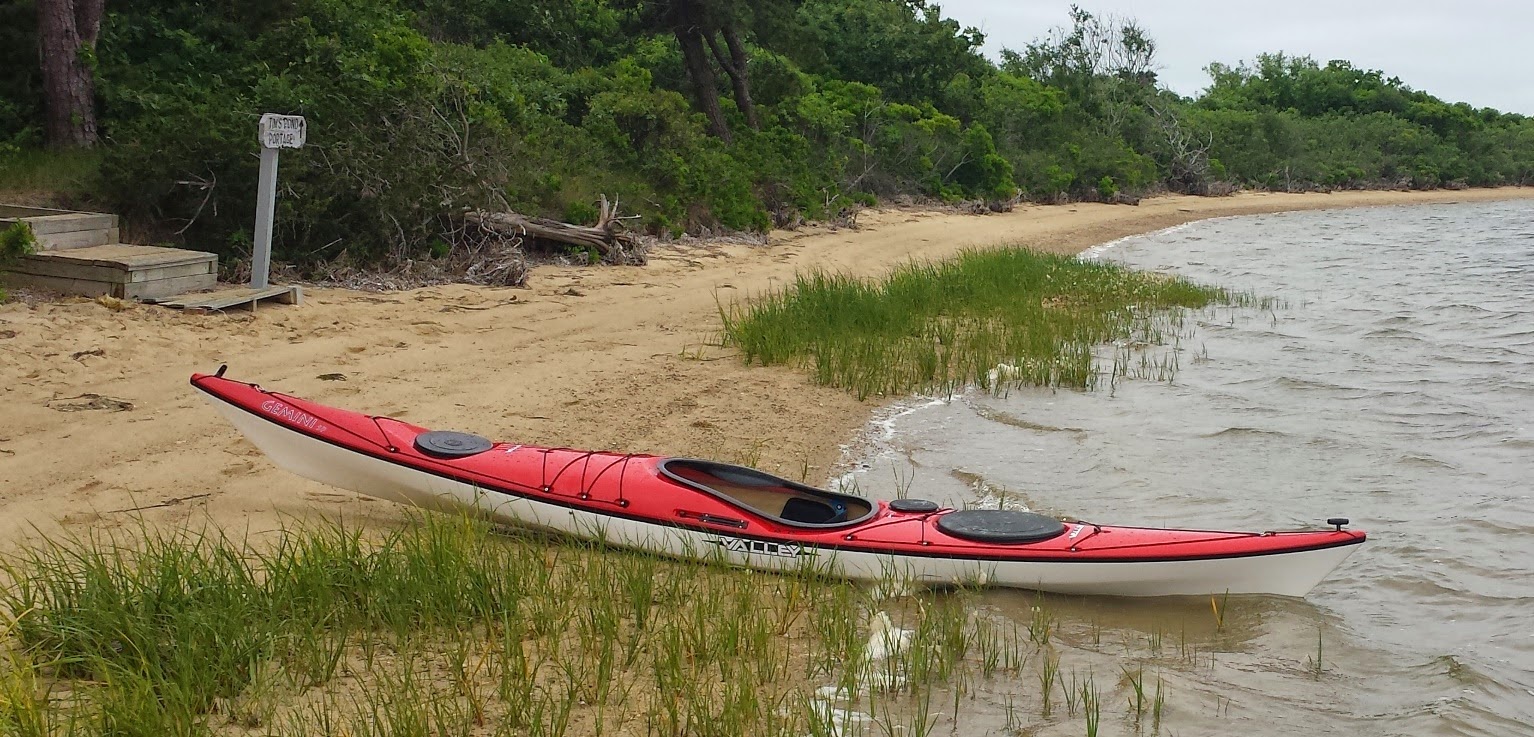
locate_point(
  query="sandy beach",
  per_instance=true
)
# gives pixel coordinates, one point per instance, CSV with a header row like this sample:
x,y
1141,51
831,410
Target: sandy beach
x,y
98,427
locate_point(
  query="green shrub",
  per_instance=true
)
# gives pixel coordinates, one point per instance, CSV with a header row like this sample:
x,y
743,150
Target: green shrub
x,y
585,255
984,173
1106,189
15,242
581,213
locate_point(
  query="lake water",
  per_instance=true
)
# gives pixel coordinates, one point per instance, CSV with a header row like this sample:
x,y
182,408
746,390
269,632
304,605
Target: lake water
x,y
1395,386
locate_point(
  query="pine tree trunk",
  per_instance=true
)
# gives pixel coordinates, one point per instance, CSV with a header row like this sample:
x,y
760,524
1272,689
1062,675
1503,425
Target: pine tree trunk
x,y
67,31
737,70
702,75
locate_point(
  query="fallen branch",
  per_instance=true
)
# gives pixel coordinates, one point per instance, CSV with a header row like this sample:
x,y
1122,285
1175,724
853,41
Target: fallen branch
x,y
605,238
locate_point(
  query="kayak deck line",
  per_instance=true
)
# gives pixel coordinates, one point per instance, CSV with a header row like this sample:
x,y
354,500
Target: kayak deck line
x,y
668,504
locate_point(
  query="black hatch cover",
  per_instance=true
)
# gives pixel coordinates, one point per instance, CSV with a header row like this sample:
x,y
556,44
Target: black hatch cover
x,y
449,444
1000,526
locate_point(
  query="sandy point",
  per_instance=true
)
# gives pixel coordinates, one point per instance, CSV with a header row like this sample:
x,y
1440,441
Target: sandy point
x,y
99,428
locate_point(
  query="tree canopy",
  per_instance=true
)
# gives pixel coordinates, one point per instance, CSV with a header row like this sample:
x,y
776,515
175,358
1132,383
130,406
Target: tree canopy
x,y
697,114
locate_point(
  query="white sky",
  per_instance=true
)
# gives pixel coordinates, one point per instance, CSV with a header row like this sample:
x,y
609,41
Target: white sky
x,y
1475,51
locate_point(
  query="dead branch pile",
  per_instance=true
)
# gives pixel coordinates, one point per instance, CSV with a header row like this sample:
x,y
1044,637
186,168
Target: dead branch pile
x,y
478,256
607,238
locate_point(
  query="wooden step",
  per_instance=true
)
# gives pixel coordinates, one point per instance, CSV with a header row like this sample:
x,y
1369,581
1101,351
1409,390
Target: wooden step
x,y
118,270
223,299
58,230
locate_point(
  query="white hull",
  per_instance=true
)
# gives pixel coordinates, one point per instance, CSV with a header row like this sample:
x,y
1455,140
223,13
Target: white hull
x,y
1288,574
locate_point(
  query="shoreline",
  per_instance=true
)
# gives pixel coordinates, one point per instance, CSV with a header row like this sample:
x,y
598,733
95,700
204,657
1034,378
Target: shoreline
x,y
593,357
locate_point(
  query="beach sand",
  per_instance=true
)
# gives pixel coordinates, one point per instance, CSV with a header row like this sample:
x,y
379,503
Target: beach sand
x,y
620,358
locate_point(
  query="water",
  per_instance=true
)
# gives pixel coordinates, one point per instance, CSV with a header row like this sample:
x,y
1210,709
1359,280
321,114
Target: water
x,y
1395,387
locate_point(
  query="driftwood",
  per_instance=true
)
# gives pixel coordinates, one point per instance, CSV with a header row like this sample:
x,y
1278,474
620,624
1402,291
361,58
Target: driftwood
x,y
605,238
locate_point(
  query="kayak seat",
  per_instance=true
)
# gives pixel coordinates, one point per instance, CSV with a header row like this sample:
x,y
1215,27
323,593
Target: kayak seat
x,y
781,500
1000,526
814,511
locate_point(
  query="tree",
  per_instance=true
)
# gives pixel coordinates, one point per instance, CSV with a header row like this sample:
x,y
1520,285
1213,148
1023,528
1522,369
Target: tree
x,y
1105,64
907,48
735,66
1185,149
685,21
67,32
695,24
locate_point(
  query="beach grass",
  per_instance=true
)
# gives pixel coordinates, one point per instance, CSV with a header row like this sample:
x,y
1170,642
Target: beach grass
x,y
994,318
445,626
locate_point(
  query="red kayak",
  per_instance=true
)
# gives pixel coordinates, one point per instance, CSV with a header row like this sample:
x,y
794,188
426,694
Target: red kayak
x,y
696,508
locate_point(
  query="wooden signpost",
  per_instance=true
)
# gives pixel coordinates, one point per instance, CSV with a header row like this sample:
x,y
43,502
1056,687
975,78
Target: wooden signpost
x,y
277,132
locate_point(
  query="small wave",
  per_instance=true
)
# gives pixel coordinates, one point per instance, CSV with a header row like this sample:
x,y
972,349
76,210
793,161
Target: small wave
x,y
1456,669
1489,698
1290,382
1244,432
1422,590
1020,423
1459,306
990,495
1437,578
1511,335
1513,530
1392,333
1425,461
1495,434
1336,444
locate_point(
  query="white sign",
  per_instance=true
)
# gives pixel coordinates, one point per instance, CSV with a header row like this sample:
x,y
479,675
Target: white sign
x,y
283,131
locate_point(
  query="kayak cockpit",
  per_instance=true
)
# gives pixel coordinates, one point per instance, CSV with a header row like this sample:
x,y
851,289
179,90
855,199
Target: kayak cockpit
x,y
777,499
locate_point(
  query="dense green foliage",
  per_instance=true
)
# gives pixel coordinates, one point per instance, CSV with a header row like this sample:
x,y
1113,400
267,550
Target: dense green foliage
x,y
1290,122
421,108
999,318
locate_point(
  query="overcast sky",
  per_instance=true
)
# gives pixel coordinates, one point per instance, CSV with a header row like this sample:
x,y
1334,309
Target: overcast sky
x,y
1475,51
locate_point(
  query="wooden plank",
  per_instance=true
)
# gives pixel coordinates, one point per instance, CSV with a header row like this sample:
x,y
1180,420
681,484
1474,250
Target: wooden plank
x,y
75,239
109,273
168,288
13,213
226,298
64,285
129,256
171,272
35,265
69,222
144,290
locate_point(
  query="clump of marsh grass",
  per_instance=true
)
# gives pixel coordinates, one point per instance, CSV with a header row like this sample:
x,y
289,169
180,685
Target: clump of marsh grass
x,y
997,318
444,626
